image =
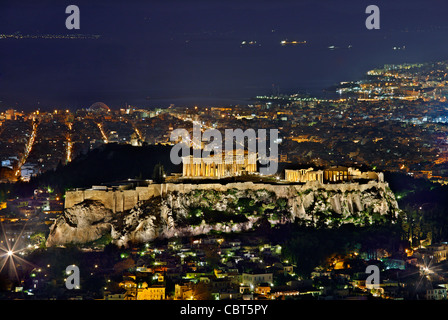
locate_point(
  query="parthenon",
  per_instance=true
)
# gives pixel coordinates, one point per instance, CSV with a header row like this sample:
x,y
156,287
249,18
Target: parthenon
x,y
219,167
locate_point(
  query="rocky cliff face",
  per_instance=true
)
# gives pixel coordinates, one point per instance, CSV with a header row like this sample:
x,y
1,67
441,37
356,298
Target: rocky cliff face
x,y
200,211
86,222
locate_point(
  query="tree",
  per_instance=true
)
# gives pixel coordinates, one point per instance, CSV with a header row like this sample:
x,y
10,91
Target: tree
x,y
38,238
211,256
201,292
159,173
282,210
2,195
124,265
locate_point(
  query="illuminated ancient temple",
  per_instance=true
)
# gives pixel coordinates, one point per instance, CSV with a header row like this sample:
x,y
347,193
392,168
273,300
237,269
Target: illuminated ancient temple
x,y
304,175
219,167
333,174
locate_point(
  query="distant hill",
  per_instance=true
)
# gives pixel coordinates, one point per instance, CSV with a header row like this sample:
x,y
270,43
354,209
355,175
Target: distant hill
x,y
108,163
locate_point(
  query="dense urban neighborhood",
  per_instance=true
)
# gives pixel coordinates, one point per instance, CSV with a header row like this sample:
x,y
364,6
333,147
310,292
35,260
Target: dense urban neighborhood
x,y
391,122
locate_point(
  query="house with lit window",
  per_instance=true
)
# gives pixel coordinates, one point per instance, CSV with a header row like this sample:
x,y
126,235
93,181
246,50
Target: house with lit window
x,y
437,293
253,279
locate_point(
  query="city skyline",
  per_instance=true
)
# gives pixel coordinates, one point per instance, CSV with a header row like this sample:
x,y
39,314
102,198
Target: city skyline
x,y
265,153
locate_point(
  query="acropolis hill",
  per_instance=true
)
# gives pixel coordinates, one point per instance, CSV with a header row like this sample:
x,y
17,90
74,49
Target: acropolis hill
x,y
132,212
123,196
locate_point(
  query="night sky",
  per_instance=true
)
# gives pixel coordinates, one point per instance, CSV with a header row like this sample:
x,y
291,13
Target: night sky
x,y
154,53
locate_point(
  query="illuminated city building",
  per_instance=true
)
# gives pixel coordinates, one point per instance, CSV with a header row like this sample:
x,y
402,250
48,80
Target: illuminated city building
x,y
154,292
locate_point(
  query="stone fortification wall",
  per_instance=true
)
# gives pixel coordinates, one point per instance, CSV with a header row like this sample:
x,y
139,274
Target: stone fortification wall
x,y
122,200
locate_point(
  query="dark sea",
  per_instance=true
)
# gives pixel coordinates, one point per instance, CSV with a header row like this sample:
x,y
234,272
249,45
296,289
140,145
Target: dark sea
x,y
194,55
